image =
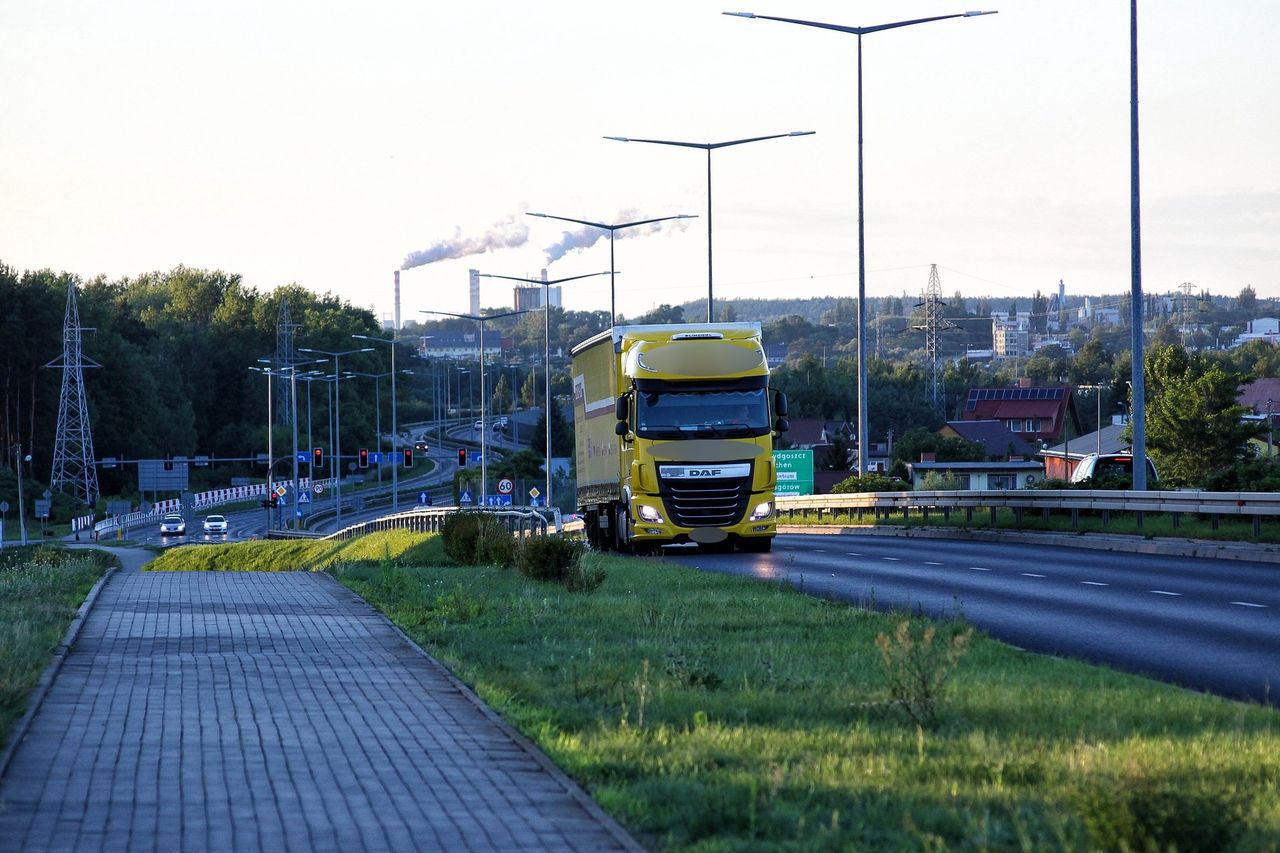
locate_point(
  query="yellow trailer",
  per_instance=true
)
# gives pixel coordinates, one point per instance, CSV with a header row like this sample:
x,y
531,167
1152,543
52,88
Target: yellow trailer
x,y
674,437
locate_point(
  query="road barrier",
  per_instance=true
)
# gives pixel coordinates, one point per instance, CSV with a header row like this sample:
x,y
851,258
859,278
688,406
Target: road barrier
x,y
885,505
201,500
521,522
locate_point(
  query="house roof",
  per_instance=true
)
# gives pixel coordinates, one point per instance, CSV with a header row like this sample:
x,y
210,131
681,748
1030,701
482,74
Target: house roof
x,y
1026,465
994,437
1051,403
1256,394
1083,445
808,432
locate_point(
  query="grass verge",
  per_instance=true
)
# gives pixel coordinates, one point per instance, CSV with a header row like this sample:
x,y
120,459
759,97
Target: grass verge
x,y
712,713
290,554
40,590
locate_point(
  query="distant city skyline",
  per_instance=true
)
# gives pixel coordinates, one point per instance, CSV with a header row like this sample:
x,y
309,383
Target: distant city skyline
x,y
332,146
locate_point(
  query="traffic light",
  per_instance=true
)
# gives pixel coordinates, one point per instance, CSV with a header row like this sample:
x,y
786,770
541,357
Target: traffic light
x,y
408,457
364,458
317,458
462,457
270,502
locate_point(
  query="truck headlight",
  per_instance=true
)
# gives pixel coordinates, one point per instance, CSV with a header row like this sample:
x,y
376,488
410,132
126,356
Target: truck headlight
x,y
763,510
648,513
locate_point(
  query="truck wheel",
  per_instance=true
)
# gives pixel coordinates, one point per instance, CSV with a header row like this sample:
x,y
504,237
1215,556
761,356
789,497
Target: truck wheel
x,y
621,539
761,545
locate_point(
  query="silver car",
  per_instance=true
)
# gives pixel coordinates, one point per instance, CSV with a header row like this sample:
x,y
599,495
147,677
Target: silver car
x,y
215,525
173,524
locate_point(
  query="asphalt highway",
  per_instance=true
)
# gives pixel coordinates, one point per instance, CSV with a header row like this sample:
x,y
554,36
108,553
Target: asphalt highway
x,y
1211,625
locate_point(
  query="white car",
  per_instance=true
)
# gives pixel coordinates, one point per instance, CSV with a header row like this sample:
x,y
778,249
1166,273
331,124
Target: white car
x,y
215,524
173,524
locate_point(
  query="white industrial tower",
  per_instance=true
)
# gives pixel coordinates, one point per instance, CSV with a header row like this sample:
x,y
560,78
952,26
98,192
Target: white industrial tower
x,y
73,464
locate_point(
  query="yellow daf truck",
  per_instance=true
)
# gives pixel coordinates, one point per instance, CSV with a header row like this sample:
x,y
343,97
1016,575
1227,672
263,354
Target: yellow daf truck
x,y
675,429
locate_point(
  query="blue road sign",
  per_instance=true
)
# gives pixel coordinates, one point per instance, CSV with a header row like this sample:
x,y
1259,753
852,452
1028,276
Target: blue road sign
x,y
283,500
375,457
423,498
302,457
497,500
304,498
464,498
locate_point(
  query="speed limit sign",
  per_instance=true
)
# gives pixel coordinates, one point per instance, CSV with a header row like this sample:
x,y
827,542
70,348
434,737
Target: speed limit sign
x,y
506,486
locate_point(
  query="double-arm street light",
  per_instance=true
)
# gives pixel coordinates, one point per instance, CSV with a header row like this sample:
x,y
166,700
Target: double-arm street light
x,y
546,341
377,413
709,147
292,372
862,258
612,229
337,421
395,434
484,438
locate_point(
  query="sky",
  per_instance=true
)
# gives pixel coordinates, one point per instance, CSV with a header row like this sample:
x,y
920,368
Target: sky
x,y
329,144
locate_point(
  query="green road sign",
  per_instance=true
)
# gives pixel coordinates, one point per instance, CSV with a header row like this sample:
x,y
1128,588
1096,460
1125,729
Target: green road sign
x,y
795,472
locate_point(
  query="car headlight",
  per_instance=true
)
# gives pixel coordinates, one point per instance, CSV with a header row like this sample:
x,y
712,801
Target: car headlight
x,y
763,510
648,513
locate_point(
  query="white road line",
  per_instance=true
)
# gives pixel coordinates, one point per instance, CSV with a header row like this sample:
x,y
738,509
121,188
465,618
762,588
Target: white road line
x,y
1030,575
1094,583
978,569
1248,604
892,559
931,563
1163,592
853,553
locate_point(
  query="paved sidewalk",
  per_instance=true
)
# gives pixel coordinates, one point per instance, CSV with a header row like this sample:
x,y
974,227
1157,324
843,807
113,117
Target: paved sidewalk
x,y
229,711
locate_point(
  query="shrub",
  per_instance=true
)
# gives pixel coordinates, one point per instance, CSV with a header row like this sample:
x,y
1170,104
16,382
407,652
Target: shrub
x,y
474,538
916,668
1132,811
559,560
495,544
870,482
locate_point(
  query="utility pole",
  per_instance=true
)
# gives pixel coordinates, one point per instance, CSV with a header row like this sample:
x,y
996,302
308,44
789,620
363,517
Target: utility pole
x,y
74,470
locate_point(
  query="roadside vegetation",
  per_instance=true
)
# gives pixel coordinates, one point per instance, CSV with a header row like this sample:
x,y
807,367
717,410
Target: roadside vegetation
x,y
292,554
40,590
709,712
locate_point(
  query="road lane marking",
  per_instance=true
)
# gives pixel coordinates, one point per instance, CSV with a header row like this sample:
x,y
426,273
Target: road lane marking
x,y
978,569
931,563
1248,604
1163,592
1094,583
1031,575
893,559
853,553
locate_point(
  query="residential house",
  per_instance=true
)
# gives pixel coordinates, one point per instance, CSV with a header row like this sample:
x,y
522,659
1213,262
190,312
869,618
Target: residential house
x,y
997,440
1013,474
1035,414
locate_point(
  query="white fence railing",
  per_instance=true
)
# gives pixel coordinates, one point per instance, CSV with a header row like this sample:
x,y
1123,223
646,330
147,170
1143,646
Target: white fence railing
x,y
1252,505
430,520
202,500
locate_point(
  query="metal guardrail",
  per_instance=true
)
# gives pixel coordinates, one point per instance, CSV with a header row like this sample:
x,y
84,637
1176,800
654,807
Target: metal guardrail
x,y
522,522
200,501
884,505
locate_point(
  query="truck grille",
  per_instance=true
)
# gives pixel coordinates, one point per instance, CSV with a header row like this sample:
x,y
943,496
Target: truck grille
x,y
706,503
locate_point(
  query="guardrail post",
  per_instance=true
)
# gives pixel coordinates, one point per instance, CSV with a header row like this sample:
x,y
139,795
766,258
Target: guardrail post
x,y
1044,515
993,516
1177,520
1214,520
924,513
1139,514
946,513
1106,517
1017,514
968,513
1075,519
1257,526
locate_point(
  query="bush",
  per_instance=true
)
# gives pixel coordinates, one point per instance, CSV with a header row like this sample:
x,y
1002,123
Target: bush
x,y
475,538
916,667
1246,475
1132,811
870,482
559,560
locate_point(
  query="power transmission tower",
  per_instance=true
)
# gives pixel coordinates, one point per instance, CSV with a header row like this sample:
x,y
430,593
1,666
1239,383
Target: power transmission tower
x,y
1184,322
286,356
73,465
933,324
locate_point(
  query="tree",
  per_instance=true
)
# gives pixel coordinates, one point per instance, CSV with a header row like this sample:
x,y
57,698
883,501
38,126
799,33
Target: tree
x,y
920,440
1193,423
561,433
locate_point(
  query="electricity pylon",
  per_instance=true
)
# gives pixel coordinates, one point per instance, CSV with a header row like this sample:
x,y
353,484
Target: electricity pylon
x,y
73,464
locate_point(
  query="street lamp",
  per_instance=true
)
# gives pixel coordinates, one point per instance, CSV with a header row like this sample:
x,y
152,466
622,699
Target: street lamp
x,y
337,433
611,229
546,328
862,257
377,417
484,438
395,434
709,147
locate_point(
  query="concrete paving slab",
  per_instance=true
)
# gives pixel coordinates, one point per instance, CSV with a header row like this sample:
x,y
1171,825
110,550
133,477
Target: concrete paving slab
x,y
216,711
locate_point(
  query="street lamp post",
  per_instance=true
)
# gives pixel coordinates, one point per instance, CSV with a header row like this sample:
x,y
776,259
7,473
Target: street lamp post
x,y
546,340
395,434
337,433
862,257
377,413
612,229
484,438
709,147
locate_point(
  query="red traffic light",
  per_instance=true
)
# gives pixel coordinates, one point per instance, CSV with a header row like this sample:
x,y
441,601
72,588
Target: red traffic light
x,y
364,458
317,458
462,457
408,457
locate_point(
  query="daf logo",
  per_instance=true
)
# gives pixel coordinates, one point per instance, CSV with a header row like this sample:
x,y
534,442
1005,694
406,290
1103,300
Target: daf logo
x,y
704,472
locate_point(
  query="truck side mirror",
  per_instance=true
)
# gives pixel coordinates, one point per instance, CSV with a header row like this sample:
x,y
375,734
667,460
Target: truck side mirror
x,y
620,428
781,425
620,408
780,405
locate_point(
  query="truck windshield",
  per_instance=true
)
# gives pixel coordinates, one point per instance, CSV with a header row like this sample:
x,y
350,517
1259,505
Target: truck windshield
x,y
702,413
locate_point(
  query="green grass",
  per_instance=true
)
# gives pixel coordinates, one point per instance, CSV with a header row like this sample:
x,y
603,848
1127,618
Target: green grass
x,y
715,713
1154,524
289,554
40,590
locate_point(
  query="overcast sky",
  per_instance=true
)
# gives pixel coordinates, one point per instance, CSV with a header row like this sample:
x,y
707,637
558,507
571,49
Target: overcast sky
x,y
326,144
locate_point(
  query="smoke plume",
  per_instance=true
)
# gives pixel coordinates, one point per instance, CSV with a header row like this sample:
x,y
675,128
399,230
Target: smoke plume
x,y
587,236
507,234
